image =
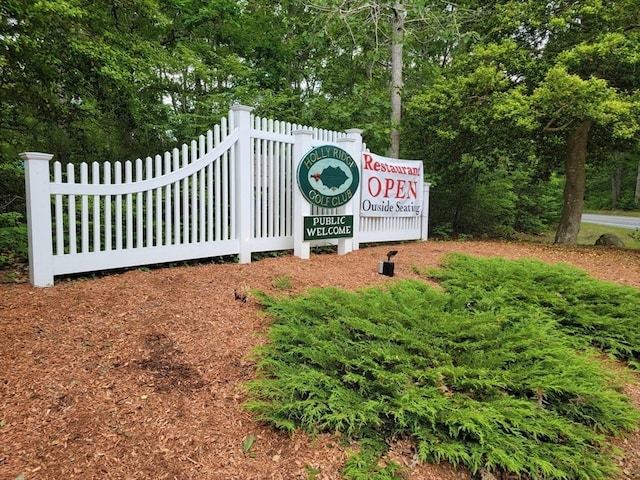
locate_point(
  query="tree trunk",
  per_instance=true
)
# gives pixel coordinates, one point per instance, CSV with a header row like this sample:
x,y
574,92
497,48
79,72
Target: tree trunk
x,y
575,184
616,184
638,186
396,77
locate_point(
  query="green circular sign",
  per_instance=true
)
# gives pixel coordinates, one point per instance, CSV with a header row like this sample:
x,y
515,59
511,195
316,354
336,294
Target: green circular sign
x,y
328,176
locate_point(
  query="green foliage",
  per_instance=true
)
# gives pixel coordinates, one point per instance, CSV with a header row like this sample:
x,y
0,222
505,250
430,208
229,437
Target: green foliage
x,y
539,201
468,198
366,464
591,312
533,73
601,175
120,80
77,79
312,473
13,240
247,443
564,97
283,282
495,373
12,196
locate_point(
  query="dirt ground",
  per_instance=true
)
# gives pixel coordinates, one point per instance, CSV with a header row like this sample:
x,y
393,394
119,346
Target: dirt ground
x,y
139,374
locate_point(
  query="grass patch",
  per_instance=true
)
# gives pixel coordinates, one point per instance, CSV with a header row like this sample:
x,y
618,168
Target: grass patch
x,y
620,213
492,373
283,282
589,233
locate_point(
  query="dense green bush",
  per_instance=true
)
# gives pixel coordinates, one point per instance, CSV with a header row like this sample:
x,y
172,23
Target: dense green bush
x,y
599,195
539,203
473,199
12,195
493,374
13,240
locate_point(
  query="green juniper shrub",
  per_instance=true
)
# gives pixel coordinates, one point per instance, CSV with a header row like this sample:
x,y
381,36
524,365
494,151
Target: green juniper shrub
x,y
597,313
499,388
366,464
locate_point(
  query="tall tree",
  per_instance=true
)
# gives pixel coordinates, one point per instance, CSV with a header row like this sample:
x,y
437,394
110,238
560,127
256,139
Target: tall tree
x,y
203,71
588,50
382,32
560,69
397,81
78,80
569,106
637,194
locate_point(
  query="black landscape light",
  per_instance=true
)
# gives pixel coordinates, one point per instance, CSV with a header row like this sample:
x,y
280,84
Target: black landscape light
x,y
386,268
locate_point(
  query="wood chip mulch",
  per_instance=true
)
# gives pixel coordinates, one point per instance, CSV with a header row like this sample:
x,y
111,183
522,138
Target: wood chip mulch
x,y
139,374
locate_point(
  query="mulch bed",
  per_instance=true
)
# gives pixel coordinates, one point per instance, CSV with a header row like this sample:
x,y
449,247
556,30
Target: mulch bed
x,y
140,374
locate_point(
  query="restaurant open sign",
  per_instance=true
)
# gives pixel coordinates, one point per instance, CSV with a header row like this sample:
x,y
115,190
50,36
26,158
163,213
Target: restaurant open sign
x,y
391,187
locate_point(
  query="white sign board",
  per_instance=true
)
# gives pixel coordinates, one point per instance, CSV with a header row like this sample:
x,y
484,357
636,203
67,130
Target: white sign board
x,y
390,187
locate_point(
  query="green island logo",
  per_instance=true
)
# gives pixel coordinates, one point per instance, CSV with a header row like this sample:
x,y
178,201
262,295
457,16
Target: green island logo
x,y
328,176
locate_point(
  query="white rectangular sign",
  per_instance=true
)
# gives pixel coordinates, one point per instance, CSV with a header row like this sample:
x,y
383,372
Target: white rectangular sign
x,y
390,187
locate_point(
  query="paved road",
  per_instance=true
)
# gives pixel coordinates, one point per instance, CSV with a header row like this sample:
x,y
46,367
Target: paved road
x,y
612,220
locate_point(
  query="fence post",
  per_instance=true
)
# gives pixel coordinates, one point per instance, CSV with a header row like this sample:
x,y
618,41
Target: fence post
x,y
243,174
425,212
301,208
352,143
37,186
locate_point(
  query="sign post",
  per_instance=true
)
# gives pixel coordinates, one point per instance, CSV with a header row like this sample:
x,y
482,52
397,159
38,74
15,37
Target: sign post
x,y
353,144
328,177
301,208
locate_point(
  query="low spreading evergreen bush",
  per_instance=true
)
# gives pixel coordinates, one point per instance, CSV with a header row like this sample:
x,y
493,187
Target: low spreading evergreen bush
x,y
602,314
497,373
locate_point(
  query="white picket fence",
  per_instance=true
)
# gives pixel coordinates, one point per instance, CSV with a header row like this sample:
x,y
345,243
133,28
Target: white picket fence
x,y
231,192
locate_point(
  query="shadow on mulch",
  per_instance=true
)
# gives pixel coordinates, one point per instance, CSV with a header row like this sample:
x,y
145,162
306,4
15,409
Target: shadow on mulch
x,y
168,372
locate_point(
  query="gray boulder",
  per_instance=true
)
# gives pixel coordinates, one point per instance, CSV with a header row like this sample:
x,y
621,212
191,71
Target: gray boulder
x,y
609,240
